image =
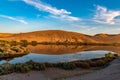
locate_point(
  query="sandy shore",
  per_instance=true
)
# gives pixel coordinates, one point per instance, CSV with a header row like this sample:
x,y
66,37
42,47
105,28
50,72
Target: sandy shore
x,y
111,72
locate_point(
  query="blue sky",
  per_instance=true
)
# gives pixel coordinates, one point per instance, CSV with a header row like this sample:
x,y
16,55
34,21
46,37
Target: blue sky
x,y
84,16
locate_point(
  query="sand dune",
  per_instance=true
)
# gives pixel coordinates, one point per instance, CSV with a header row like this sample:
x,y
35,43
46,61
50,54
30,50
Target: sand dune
x,y
61,36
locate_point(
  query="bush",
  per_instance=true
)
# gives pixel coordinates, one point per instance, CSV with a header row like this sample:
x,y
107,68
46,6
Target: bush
x,y
34,43
68,66
6,69
108,59
109,55
100,62
83,65
30,62
14,43
39,66
23,68
93,64
24,42
50,65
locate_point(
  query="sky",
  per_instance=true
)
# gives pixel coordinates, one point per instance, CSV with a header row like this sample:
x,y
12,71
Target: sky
x,y
83,16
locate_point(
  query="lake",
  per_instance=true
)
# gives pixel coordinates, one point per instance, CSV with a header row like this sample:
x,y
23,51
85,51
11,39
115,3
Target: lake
x,y
62,53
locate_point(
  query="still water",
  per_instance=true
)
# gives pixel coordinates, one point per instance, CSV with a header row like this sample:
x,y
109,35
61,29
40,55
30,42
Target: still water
x,y
61,53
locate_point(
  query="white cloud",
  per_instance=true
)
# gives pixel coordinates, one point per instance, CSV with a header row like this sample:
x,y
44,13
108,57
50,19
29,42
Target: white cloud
x,y
105,16
14,19
91,29
56,13
65,17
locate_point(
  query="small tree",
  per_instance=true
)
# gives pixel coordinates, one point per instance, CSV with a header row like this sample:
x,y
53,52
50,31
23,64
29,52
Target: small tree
x,y
108,55
24,42
13,43
34,43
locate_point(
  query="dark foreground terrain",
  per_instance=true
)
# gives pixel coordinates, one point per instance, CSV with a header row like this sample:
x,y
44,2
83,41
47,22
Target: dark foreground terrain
x,y
112,72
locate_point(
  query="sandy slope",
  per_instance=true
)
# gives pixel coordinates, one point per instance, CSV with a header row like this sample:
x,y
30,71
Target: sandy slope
x,y
112,72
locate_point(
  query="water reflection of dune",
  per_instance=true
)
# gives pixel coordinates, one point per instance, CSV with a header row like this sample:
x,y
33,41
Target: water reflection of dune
x,y
108,48
62,49
53,49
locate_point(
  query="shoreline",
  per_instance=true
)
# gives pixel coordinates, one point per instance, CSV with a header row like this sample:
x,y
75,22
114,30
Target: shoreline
x,y
111,72
76,43
60,74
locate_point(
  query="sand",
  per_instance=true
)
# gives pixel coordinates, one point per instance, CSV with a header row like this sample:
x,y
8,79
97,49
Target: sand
x,y
112,72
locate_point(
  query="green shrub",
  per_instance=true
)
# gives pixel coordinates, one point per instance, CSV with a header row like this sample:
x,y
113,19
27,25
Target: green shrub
x,y
30,62
23,68
49,65
108,59
6,69
24,42
68,66
34,43
2,72
39,66
109,55
100,62
83,65
13,43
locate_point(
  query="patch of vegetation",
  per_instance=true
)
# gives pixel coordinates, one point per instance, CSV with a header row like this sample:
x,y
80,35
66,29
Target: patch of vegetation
x,y
33,43
67,66
66,42
93,64
82,64
100,62
13,43
108,55
11,50
24,43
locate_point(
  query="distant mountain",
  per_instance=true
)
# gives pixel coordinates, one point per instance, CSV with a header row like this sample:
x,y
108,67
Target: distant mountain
x,y
61,36
107,38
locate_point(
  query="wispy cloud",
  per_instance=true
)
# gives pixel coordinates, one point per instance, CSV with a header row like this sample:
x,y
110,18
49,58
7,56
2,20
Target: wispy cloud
x,y
105,16
14,19
56,13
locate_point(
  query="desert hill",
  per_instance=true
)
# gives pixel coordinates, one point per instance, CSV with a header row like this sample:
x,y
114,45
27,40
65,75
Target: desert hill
x,y
51,36
61,36
107,38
